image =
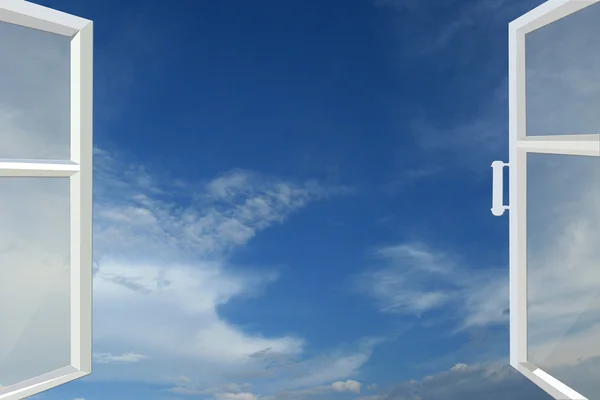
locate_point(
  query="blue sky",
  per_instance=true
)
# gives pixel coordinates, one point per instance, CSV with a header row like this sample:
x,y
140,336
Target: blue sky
x,y
292,200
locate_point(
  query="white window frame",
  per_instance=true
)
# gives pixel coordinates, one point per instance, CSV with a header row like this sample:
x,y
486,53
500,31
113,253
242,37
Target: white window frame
x,y
79,171
578,143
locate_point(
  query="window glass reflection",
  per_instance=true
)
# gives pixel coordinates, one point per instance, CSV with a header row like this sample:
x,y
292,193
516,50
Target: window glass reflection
x,y
34,93
563,239
34,277
562,75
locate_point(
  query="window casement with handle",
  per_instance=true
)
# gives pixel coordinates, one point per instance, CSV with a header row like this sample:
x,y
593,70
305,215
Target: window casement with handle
x,y
554,197
46,149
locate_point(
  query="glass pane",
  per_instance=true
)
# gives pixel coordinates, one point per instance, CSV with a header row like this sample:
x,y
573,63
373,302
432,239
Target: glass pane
x,y
34,93
563,245
562,75
34,277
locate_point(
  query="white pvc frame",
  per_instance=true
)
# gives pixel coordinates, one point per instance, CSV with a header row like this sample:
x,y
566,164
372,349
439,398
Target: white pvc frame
x,y
79,171
519,146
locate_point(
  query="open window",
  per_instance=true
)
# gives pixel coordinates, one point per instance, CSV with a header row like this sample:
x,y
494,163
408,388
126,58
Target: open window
x,y
554,206
45,198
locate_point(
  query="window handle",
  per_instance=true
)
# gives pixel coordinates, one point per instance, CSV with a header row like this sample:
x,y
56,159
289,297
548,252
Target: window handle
x,y
498,188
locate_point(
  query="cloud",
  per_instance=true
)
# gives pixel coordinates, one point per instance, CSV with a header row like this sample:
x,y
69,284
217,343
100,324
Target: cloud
x,y
482,381
228,390
226,212
237,396
293,377
298,377
413,278
348,386
330,367
185,391
107,358
153,254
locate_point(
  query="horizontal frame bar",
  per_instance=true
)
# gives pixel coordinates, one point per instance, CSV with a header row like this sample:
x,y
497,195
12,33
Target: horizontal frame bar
x,y
576,145
548,383
30,15
546,13
40,383
37,168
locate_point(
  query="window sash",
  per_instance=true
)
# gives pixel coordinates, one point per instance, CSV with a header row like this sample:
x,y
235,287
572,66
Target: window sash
x,y
79,171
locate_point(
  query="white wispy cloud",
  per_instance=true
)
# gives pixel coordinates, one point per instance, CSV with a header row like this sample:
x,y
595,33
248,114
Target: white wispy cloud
x,y
435,26
107,358
227,212
228,389
292,377
465,35
237,396
153,254
347,386
415,278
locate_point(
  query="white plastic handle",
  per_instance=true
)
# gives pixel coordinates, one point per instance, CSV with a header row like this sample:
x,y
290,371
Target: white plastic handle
x,y
498,188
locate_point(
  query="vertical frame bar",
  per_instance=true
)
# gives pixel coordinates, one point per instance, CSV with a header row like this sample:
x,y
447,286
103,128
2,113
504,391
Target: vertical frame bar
x,y
81,198
517,198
